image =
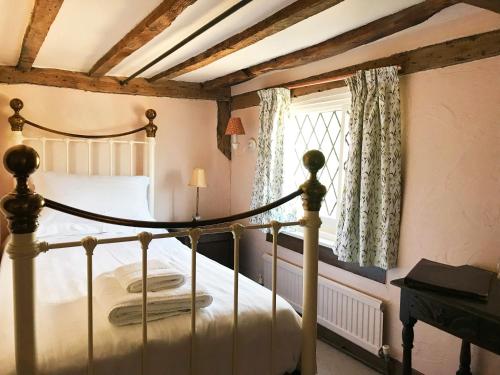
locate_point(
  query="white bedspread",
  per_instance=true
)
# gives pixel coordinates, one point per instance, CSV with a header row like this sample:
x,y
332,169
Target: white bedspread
x,y
62,319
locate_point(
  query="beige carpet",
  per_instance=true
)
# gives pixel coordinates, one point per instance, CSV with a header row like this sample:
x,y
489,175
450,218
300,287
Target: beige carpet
x,y
333,362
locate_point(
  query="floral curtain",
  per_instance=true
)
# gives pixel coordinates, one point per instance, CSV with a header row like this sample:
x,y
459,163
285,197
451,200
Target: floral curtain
x,y
368,227
268,181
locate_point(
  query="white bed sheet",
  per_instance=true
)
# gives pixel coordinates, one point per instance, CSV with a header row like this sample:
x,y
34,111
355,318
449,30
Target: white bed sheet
x,y
61,319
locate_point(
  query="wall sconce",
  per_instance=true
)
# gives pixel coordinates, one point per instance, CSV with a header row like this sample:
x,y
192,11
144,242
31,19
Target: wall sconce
x,y
235,128
198,180
252,144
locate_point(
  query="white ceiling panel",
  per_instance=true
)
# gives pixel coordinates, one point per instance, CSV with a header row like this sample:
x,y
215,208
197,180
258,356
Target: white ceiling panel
x,y
336,20
14,17
191,20
457,21
83,31
345,16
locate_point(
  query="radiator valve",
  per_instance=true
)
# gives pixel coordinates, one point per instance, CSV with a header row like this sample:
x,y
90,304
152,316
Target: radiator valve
x,y
384,352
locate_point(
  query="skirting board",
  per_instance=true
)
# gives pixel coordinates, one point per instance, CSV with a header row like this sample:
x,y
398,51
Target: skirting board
x,y
358,353
362,355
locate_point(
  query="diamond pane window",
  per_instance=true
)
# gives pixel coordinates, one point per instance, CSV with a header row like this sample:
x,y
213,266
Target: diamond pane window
x,y
319,125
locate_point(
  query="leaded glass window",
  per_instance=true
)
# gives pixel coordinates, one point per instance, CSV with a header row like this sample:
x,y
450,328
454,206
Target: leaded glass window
x,y
323,126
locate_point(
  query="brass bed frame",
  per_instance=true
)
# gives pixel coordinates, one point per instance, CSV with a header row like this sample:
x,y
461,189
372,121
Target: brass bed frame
x,y
23,206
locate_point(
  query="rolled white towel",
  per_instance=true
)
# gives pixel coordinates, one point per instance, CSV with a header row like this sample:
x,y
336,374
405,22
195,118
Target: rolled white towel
x,y
160,276
125,308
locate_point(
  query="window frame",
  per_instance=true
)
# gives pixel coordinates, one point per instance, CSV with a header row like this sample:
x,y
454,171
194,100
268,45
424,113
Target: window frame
x,y
334,100
294,239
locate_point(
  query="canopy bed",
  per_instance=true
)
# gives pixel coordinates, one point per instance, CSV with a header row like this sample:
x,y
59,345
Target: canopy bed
x,y
76,232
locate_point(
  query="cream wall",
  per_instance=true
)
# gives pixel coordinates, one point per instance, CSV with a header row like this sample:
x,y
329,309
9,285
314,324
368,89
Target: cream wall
x,y
186,139
451,201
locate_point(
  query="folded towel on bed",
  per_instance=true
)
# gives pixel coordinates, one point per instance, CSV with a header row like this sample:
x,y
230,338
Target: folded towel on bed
x,y
160,276
125,308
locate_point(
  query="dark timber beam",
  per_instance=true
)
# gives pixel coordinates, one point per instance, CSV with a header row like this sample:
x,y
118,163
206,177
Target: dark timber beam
x,y
223,115
493,5
456,51
156,22
368,33
284,18
82,81
44,13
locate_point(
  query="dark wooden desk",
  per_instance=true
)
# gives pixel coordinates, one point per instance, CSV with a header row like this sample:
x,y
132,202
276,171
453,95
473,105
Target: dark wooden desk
x,y
474,322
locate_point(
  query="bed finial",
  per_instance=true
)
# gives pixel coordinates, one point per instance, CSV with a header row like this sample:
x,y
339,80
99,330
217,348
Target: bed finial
x,y
151,128
16,121
312,195
22,206
312,190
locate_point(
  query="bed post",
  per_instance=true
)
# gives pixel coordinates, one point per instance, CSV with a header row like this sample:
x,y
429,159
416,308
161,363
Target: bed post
x,y
151,129
312,195
21,208
16,121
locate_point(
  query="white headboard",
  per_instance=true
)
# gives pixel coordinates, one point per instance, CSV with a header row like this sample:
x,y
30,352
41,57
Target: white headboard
x,y
111,141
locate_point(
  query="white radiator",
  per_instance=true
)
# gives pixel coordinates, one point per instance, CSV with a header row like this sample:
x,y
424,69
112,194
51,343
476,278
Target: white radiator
x,y
345,311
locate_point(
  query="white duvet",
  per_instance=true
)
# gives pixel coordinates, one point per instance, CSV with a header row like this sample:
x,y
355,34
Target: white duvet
x,y
61,320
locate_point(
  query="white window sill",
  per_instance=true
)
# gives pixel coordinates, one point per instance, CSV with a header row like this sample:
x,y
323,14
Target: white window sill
x,y
326,239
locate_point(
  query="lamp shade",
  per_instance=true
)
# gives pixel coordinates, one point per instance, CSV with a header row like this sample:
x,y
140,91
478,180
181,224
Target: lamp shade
x,y
198,178
235,126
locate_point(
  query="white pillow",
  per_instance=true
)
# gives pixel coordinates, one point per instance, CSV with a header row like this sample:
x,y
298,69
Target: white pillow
x,y
119,196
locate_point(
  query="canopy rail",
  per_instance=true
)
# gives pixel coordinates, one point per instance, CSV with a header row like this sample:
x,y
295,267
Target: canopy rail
x,y
22,208
17,123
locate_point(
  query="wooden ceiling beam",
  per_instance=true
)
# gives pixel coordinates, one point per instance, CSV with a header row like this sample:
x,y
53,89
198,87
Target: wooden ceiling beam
x,y
368,33
493,5
107,84
43,15
284,18
155,23
456,51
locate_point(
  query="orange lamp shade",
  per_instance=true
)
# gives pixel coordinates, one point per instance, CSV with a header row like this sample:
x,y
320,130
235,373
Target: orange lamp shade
x,y
235,126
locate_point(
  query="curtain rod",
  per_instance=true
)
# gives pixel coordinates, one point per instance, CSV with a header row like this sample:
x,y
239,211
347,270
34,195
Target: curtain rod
x,y
201,30
320,81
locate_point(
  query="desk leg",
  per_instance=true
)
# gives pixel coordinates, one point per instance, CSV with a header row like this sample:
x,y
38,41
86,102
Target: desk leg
x,y
464,368
407,344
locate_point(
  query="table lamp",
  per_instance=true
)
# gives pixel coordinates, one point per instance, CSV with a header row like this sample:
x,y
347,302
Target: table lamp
x,y
198,180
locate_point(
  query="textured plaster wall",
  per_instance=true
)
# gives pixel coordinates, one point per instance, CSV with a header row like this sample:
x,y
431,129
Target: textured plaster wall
x,y
451,201
186,139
